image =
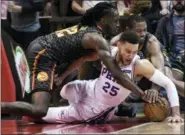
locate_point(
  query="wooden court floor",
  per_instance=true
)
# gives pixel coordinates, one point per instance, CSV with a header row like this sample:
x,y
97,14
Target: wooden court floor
x,y
138,125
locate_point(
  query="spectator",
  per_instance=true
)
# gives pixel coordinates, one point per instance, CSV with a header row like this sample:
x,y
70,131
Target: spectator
x,y
4,7
80,6
158,9
151,10
170,32
4,15
62,14
47,9
123,6
25,20
165,7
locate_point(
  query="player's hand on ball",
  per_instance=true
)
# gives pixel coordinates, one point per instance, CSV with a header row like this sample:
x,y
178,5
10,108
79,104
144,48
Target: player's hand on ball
x,y
151,96
174,119
162,101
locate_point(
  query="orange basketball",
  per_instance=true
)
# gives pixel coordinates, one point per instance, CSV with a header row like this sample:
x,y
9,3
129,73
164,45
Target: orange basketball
x,y
156,112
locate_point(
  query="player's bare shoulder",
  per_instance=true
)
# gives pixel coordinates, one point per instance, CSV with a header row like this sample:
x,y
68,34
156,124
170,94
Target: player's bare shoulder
x,y
142,67
92,40
142,62
152,39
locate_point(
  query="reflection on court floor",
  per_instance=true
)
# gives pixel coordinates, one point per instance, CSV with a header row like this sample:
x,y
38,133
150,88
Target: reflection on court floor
x,y
139,125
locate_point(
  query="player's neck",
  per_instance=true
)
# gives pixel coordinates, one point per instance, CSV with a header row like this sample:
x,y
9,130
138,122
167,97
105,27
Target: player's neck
x,y
118,59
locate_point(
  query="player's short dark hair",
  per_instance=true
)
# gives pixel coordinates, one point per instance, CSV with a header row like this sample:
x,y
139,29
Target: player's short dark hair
x,y
132,20
94,14
130,37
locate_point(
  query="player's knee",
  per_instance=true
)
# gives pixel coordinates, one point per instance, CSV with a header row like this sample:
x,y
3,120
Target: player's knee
x,y
66,89
40,111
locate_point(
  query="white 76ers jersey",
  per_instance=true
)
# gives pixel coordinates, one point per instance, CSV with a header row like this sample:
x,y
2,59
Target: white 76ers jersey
x,y
107,90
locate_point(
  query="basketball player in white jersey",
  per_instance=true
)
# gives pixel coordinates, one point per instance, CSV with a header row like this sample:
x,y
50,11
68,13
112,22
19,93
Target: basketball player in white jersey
x,y
94,101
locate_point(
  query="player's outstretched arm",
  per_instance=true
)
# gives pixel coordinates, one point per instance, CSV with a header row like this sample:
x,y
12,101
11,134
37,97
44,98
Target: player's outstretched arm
x,y
98,43
146,69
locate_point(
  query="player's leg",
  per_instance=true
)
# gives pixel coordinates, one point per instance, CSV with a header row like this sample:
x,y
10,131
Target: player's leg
x,y
74,91
65,114
20,108
41,82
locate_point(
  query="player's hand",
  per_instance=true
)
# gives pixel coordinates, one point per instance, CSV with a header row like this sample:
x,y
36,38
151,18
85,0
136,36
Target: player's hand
x,y
162,100
151,95
174,119
176,127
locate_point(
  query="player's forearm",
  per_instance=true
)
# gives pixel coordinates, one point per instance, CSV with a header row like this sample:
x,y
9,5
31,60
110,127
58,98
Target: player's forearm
x,y
166,83
163,81
18,108
158,63
126,82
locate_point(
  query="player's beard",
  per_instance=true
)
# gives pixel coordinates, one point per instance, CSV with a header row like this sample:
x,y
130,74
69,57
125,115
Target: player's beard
x,y
180,8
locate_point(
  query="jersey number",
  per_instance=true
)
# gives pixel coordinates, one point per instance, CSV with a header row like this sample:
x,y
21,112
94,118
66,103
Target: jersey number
x,y
67,31
112,90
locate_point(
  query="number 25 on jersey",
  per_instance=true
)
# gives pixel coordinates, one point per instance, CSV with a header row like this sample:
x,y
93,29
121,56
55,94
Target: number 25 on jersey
x,y
111,90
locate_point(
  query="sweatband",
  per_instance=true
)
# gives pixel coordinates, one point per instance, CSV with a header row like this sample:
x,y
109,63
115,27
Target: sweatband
x,y
160,79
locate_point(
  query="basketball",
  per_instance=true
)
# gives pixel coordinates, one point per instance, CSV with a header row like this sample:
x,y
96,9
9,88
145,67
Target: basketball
x,y
156,112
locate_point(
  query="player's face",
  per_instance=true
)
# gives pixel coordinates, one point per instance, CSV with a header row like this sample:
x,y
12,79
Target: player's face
x,y
178,5
141,29
111,24
127,51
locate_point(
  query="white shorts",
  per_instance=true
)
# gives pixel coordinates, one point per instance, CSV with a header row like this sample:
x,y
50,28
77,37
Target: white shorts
x,y
83,106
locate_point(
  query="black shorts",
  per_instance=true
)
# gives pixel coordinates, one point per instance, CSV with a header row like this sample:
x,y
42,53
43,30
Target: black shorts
x,y
42,68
